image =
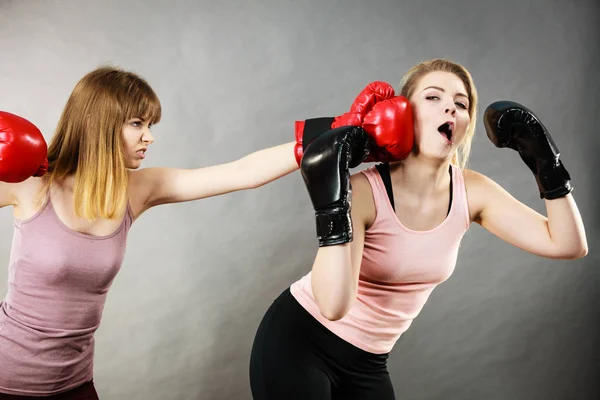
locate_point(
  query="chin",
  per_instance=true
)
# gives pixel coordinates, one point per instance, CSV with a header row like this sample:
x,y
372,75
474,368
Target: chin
x,y
133,165
438,153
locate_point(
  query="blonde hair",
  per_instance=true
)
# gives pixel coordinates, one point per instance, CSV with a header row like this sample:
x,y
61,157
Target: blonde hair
x,y
411,79
88,139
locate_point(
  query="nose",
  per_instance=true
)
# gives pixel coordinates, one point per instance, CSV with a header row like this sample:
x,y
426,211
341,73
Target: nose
x,y
451,108
147,136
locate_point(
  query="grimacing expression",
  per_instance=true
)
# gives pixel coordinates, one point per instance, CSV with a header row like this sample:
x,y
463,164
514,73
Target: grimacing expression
x,y
441,111
137,136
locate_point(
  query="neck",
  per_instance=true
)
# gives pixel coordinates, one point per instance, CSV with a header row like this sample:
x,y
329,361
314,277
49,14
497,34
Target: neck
x,y
421,176
67,183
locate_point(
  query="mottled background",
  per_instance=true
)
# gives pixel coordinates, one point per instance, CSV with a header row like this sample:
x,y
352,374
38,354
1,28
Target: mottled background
x,y
233,76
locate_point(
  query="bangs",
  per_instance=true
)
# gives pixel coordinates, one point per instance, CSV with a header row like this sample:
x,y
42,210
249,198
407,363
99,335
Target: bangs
x,y
142,102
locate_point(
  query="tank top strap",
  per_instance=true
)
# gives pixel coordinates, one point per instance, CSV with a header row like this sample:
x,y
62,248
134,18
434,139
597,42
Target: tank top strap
x,y
380,193
459,193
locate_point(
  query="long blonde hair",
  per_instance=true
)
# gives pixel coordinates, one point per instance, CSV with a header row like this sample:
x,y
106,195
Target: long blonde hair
x,y
412,77
88,139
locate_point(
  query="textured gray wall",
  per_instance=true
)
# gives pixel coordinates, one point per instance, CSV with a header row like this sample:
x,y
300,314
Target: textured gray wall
x,y
233,76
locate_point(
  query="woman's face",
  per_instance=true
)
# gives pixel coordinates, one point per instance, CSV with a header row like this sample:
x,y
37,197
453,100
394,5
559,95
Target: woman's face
x,y
441,111
137,136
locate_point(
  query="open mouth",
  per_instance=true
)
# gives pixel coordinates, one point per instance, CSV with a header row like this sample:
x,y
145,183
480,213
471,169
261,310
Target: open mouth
x,y
446,130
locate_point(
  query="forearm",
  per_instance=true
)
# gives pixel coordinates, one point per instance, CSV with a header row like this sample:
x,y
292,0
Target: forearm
x,y
340,228
566,227
264,166
334,282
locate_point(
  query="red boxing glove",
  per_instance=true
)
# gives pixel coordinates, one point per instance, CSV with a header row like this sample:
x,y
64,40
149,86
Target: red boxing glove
x,y
387,119
23,150
299,148
390,124
365,101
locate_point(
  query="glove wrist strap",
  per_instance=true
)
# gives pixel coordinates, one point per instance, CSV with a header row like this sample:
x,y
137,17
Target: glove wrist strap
x,y
334,226
554,182
313,128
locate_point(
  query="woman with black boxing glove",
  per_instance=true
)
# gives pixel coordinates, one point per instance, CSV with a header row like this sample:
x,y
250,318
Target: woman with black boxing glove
x,y
390,234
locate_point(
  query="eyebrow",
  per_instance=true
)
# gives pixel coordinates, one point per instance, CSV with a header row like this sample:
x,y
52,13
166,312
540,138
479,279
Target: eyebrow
x,y
442,90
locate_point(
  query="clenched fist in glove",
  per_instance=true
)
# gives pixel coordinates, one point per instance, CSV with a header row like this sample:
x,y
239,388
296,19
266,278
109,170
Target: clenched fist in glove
x,y
387,120
325,169
509,124
23,150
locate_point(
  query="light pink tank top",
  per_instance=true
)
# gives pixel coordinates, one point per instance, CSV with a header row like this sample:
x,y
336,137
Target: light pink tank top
x,y
400,268
57,284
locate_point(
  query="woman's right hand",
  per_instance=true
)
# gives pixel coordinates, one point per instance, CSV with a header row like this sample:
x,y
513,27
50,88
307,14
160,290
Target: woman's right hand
x,y
23,153
325,168
23,150
336,269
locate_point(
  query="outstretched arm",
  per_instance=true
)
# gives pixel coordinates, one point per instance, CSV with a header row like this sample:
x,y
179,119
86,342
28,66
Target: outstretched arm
x,y
172,185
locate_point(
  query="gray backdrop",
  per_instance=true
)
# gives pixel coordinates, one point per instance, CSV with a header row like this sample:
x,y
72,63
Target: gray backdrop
x,y
233,76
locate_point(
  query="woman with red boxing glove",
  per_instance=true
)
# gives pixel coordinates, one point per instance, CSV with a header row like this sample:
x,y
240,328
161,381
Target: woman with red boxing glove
x,y
390,234
72,222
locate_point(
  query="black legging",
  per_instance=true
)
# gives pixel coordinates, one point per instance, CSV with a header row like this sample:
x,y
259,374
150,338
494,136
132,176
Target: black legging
x,y
87,391
295,357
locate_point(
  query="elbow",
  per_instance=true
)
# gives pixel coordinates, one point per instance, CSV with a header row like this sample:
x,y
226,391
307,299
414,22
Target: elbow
x,y
334,313
583,251
336,308
576,253
255,184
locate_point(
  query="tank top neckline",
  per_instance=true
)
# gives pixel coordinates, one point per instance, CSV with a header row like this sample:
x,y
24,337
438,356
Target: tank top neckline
x,y
390,209
48,207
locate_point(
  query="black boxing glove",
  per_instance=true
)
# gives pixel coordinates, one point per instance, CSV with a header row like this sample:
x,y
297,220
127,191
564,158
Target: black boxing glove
x,y
325,169
509,124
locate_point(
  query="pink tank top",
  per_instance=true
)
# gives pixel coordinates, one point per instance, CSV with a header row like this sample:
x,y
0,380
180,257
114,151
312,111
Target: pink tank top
x,y
57,284
400,268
